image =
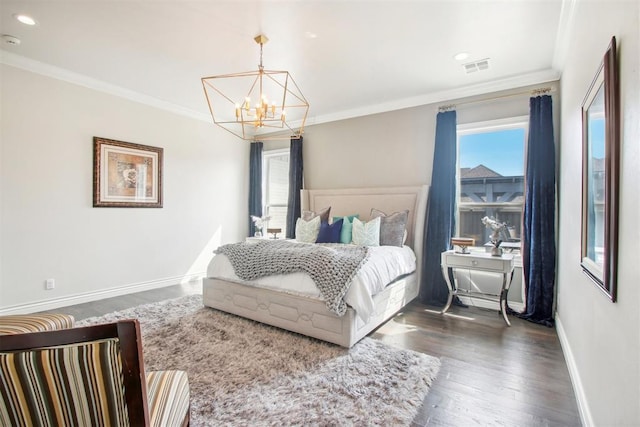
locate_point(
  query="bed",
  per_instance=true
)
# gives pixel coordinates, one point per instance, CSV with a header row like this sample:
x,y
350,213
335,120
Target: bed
x,y
310,316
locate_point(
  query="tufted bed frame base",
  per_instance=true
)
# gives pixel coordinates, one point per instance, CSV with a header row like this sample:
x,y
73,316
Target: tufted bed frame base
x,y
310,316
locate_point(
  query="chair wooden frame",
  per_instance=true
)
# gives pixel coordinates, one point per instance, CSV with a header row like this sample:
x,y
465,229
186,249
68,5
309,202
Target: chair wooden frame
x,y
129,336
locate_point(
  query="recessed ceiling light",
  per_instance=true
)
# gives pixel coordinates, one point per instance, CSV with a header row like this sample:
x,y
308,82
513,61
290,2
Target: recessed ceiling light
x,y
25,19
461,56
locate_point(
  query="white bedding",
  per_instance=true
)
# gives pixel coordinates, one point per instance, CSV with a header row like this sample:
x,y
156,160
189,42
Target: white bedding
x,y
385,264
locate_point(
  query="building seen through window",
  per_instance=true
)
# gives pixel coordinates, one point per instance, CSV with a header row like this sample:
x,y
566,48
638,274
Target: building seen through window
x,y
491,178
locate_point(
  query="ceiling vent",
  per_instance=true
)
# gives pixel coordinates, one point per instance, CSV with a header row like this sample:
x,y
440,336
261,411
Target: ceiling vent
x,y
472,67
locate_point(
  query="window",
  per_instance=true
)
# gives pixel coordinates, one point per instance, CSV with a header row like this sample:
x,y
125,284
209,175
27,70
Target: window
x,y
275,188
491,176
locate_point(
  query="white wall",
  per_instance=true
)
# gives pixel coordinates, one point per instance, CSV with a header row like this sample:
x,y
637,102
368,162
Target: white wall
x,y
601,339
48,227
393,148
385,150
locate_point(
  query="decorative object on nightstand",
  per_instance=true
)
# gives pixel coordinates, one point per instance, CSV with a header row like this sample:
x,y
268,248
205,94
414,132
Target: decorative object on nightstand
x,y
496,238
504,264
463,243
274,232
259,223
253,239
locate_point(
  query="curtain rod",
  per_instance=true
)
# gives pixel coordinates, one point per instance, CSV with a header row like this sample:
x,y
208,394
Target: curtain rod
x,y
534,92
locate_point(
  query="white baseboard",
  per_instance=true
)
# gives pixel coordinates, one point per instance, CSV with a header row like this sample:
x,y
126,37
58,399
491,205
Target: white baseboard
x,y
581,397
52,304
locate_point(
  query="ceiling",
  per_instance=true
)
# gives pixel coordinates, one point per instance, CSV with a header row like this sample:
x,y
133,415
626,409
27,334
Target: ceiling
x,y
349,58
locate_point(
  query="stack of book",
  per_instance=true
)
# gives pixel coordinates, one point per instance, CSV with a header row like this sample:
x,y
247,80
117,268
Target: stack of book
x,y
463,243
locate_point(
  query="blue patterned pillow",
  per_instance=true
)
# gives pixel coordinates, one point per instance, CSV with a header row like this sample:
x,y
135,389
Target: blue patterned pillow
x,y
330,233
307,231
366,233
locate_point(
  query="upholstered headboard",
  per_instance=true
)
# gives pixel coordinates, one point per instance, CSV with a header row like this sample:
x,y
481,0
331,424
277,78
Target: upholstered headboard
x,y
387,199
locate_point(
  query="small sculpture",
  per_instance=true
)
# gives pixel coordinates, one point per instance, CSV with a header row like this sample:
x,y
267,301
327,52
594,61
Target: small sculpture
x,y
497,228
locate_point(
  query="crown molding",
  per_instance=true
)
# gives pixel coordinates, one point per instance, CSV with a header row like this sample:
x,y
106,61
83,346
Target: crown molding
x,y
24,63
563,36
545,76
540,77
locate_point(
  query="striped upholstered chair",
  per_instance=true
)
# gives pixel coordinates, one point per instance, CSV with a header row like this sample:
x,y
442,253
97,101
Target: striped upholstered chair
x,y
87,376
21,323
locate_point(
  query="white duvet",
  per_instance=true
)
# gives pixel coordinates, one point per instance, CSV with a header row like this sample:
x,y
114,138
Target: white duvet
x,y
385,264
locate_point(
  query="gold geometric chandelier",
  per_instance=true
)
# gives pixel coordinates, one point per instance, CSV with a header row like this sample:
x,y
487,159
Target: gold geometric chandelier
x,y
255,104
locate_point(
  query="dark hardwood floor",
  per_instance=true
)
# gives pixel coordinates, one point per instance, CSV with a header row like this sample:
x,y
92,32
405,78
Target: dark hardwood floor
x,y
491,374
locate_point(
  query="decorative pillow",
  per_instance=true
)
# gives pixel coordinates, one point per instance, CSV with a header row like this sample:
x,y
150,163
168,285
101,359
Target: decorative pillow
x,y
347,217
322,213
347,227
330,233
366,234
392,227
307,231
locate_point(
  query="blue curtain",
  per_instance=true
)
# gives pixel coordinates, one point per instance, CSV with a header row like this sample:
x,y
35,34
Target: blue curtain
x,y
538,239
440,218
255,183
295,185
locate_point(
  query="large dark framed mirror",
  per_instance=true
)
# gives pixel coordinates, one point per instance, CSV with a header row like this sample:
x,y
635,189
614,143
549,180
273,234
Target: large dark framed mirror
x,y
600,176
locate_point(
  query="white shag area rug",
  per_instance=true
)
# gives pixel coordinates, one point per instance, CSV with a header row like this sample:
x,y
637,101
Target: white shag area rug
x,y
245,373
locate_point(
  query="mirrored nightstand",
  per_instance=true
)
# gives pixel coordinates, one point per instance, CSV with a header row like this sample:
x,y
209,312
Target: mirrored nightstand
x,y
480,261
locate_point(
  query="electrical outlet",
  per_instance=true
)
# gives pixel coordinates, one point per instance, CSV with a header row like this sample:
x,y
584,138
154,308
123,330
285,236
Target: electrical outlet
x,y
49,284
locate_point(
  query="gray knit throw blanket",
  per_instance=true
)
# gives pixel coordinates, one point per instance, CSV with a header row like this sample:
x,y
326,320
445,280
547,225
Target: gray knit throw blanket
x,y
331,266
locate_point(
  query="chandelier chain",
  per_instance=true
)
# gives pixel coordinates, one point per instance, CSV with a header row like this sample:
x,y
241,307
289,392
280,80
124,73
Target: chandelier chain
x,y
260,67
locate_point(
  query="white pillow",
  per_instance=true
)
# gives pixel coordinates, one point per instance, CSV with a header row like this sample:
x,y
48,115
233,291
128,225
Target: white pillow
x,y
366,234
307,231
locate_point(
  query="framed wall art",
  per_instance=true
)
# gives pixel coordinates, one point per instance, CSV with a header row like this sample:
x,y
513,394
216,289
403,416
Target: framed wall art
x,y
600,175
126,175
